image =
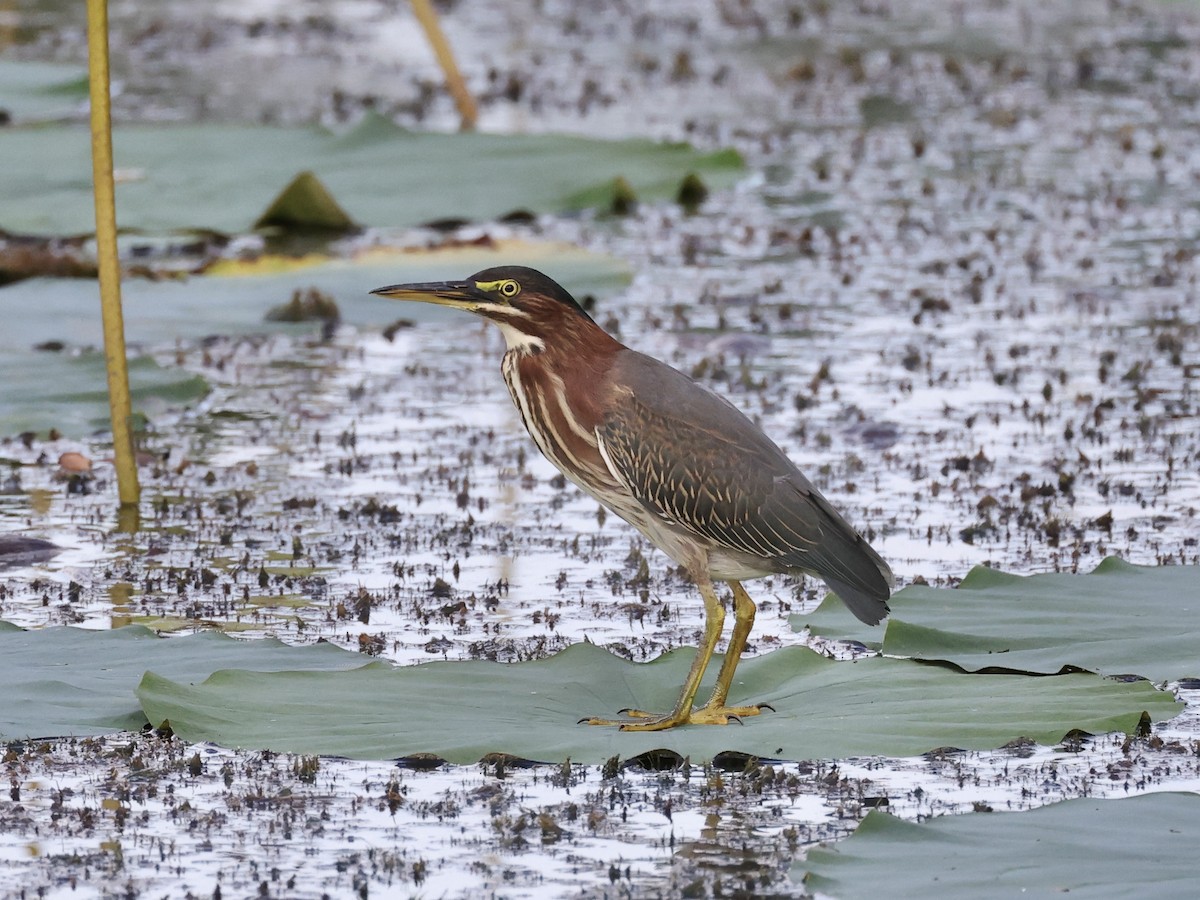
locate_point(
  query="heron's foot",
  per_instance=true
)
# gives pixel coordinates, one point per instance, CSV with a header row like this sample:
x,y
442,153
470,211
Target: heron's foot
x,y
722,715
705,715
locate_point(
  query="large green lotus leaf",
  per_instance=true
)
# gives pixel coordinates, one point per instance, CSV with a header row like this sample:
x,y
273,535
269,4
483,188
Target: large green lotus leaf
x,y
73,681
66,390
41,90
1120,619
464,710
223,177
1141,846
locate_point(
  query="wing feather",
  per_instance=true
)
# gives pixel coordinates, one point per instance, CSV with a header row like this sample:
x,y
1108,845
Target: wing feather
x,y
692,458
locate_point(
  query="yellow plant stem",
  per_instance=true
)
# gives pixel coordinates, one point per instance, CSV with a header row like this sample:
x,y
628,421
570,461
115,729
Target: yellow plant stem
x,y
108,263
445,57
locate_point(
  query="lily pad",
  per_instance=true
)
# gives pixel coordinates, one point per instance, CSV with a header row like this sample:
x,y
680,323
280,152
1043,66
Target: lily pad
x,y
72,681
1133,847
39,91
17,549
463,710
66,390
224,177
69,390
306,204
1120,619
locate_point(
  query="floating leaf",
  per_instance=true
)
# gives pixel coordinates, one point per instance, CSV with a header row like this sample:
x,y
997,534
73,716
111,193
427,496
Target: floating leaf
x,y
306,204
73,681
1133,847
1120,619
38,91
464,710
18,549
69,390
223,177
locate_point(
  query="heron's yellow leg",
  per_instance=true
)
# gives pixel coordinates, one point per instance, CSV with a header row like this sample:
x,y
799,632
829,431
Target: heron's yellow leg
x,y
715,708
714,619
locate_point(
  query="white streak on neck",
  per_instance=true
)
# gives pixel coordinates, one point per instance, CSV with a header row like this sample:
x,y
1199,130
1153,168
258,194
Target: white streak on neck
x,y
518,340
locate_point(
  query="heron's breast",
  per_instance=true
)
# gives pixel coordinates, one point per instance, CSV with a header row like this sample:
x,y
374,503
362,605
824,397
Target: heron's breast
x,y
563,430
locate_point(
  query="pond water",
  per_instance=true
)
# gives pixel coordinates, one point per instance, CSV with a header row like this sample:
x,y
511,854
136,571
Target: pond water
x,y
958,286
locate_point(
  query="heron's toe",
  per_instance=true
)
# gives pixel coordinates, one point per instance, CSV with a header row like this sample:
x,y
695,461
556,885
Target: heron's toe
x,y
638,720
723,715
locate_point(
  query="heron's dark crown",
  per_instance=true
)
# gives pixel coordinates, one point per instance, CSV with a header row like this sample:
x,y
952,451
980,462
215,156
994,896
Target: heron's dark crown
x,y
534,289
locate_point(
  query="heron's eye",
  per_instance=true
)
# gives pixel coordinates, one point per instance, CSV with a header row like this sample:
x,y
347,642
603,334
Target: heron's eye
x,y
510,289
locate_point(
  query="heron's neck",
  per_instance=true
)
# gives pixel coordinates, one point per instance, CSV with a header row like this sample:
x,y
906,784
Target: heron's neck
x,y
564,370
519,341
568,341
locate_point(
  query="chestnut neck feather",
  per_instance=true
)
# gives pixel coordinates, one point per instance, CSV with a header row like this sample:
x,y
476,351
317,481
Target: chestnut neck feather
x,y
564,344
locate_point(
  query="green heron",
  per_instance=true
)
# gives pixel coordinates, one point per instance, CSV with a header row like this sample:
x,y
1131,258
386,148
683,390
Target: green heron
x,y
682,465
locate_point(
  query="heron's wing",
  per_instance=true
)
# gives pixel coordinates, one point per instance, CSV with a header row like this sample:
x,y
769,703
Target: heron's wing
x,y
693,459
